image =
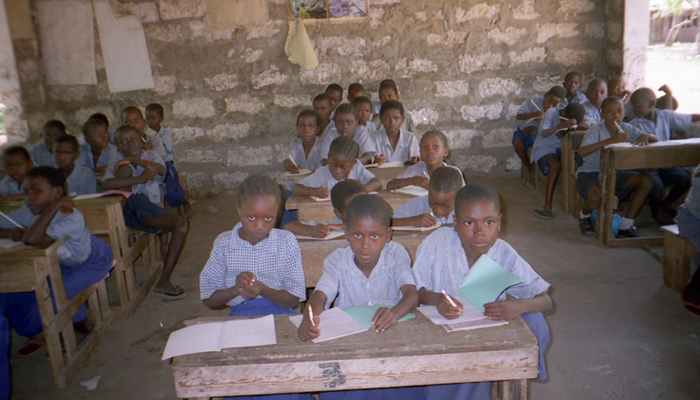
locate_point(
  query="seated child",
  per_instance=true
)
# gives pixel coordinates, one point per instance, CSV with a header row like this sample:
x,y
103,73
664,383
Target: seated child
x,y
98,153
392,142
42,153
345,124
438,206
363,111
335,94
444,260
141,172
355,90
618,88
254,269
689,228
596,92
84,260
79,178
134,118
342,164
372,270
531,112
628,183
572,83
174,192
322,106
389,91
546,151
434,149
306,148
667,101
18,162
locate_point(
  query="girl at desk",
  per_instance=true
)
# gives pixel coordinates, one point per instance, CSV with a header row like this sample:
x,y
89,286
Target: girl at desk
x,y
434,149
84,259
444,259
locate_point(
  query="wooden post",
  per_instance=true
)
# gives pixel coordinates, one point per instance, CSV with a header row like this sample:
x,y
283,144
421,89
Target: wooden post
x,y
677,255
607,201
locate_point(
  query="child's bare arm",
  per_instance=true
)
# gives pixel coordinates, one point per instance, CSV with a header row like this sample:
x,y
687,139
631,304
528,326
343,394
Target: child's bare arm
x,y
290,166
373,186
310,330
159,169
220,298
277,296
36,235
409,301
301,229
398,183
301,190
423,220
511,309
531,115
13,234
449,308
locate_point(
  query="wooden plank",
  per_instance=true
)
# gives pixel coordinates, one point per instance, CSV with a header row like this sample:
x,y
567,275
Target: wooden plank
x,y
310,210
676,261
650,241
607,195
384,175
674,153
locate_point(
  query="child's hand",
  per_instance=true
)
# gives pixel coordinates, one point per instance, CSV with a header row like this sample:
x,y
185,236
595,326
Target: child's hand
x,y
321,192
245,282
379,159
291,167
643,140
538,115
65,205
447,310
17,234
383,319
308,330
148,173
424,220
412,160
100,171
421,181
666,90
506,310
319,231
621,136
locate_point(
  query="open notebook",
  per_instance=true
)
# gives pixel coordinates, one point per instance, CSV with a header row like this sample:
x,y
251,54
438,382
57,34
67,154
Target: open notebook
x,y
412,191
216,336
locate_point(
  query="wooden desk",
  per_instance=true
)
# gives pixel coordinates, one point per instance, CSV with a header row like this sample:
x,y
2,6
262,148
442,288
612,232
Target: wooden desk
x,y
27,269
322,211
675,153
384,175
570,199
411,353
314,252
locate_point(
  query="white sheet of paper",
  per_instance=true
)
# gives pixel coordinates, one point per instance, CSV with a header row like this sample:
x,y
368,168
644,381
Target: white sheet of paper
x,y
471,325
415,228
193,339
335,324
391,164
412,191
248,333
8,243
302,172
320,199
331,235
470,314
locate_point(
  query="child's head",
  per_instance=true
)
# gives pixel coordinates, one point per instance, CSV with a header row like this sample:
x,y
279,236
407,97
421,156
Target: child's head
x,y
258,205
355,90
154,116
392,115
341,195
66,152
53,129
444,184
643,101
662,103
616,87
100,117
335,94
342,156
134,118
368,228
307,125
612,110
434,148
572,81
17,162
96,133
129,141
553,97
345,120
44,186
322,105
574,111
388,91
477,218
597,91
363,109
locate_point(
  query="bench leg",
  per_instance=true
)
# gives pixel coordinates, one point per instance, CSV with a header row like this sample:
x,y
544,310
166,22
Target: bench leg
x,y
677,255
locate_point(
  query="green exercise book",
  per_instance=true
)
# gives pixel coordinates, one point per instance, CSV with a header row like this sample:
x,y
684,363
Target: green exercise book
x,y
485,281
363,314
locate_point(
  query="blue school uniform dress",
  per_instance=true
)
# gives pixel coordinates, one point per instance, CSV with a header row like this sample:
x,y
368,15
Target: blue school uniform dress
x,y
441,264
10,187
408,124
84,260
41,156
419,206
311,161
406,148
591,114
578,98
532,105
81,180
343,282
109,156
549,146
323,177
361,137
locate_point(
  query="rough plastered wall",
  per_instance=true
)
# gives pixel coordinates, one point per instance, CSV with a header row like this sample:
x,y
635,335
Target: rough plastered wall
x,y
232,96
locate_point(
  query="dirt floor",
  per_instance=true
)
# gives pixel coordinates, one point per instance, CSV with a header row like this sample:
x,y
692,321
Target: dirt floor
x,y
618,333
677,66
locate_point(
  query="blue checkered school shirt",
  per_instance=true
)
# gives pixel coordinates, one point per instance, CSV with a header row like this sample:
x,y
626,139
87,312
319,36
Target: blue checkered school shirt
x,y
275,261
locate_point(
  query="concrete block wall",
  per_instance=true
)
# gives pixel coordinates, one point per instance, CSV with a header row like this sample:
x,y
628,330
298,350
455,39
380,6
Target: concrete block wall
x,y
231,96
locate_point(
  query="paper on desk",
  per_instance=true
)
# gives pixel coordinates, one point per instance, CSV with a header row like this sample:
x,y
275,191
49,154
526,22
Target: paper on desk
x,y
471,325
485,281
8,243
335,324
363,314
413,191
215,336
103,194
373,165
391,164
330,236
302,172
416,228
320,199
470,319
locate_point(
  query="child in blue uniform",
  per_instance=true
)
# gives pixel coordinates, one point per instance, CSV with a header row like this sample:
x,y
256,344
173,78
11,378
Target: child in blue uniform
x,y
42,153
392,142
98,153
437,206
444,259
84,259
79,178
434,150
18,162
306,147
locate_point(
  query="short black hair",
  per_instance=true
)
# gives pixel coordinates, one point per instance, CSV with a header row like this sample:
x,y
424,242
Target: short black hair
x,y
321,97
17,151
372,206
594,83
574,111
355,86
392,105
474,193
131,109
361,100
309,113
388,84
344,148
93,123
572,74
643,94
610,100
334,87
70,139
446,180
342,191
345,108
556,91
125,128
53,176
438,134
100,117
56,124
157,108
258,185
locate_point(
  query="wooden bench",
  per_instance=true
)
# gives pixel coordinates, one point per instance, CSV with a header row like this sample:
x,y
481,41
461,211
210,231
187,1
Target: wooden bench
x,y
322,211
25,269
571,201
678,253
674,153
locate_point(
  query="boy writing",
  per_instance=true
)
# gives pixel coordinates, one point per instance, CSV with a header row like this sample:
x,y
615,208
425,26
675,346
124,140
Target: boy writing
x,y
79,178
18,162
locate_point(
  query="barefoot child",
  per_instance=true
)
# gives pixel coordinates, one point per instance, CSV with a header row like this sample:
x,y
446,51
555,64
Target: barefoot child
x,y
444,260
306,148
392,142
79,178
18,162
434,150
84,259
437,206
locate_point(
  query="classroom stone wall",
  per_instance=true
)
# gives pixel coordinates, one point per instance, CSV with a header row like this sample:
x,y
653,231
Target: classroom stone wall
x,y
231,96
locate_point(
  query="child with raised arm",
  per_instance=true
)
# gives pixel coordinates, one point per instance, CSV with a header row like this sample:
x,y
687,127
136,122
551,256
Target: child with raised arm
x,y
98,153
389,91
79,178
345,124
372,270
392,142
435,208
141,172
42,153
434,150
628,183
306,148
444,260
343,164
84,260
18,162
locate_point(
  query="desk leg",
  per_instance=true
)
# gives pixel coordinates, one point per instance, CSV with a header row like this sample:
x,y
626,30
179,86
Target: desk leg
x,y
510,390
607,201
564,173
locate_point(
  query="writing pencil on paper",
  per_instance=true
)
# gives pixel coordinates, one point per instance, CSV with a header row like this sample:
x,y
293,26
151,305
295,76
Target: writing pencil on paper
x,y
311,316
449,299
536,106
291,159
12,221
